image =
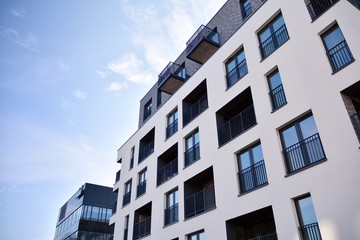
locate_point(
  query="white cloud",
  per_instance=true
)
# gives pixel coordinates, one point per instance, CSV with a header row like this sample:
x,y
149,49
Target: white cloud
x,y
62,66
67,104
132,68
29,41
17,12
102,73
116,86
80,94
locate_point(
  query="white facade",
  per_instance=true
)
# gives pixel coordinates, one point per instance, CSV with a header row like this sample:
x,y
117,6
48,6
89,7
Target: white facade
x,y
312,88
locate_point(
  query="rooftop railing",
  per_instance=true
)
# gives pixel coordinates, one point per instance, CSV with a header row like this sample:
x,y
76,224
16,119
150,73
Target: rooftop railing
x,y
171,69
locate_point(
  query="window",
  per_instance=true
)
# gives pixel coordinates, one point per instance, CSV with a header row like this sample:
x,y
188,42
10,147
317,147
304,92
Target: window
x,y
195,103
141,187
142,221
337,49
245,8
126,227
317,7
132,154
236,68
302,144
252,172
309,228
172,208
147,109
197,236
146,145
273,36
277,94
192,146
158,98
127,193
172,124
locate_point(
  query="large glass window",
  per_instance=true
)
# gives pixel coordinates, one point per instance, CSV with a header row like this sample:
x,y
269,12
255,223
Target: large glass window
x,y
272,36
197,236
302,144
309,227
252,172
245,8
141,188
172,208
147,109
236,68
172,124
192,146
277,94
338,51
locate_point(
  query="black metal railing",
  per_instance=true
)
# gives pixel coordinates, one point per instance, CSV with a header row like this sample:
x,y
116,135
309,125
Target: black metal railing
x,y
194,110
167,172
146,151
171,69
117,178
203,32
356,3
172,128
237,73
277,96
310,231
253,177
355,119
272,236
142,228
141,188
273,42
340,56
304,153
246,10
200,202
171,214
317,7
237,125
126,198
192,154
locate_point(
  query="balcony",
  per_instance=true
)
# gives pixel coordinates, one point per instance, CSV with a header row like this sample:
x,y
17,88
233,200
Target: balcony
x,y
146,151
200,202
203,44
171,214
237,73
277,96
355,119
142,228
272,43
318,7
126,198
304,153
237,125
172,128
195,110
192,154
253,177
340,56
141,189
310,232
172,78
167,172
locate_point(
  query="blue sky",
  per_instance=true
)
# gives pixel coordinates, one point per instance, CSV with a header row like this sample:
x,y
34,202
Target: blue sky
x,y
72,73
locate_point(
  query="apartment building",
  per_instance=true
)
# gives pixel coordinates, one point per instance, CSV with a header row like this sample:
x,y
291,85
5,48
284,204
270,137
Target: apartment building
x,y
253,132
86,214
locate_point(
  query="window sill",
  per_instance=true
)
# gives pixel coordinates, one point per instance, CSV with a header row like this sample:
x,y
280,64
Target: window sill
x,y
306,167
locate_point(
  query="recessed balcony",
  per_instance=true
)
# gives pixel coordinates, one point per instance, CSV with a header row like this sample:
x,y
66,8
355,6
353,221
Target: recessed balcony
x,y
203,44
172,78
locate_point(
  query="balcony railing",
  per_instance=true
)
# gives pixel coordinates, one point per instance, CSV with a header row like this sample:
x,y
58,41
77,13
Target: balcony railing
x,y
271,236
146,151
126,198
237,125
194,110
310,232
171,214
356,3
172,128
277,39
304,153
355,119
169,70
277,96
340,56
192,154
203,32
168,171
126,234
246,10
237,73
142,228
317,7
200,202
141,188
253,177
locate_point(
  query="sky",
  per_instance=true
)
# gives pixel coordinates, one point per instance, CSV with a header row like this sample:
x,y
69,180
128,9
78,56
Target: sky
x,y
72,74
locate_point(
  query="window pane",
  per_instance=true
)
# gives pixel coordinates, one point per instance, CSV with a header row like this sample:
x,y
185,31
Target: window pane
x,y
245,160
308,127
274,80
278,23
257,154
333,38
230,65
95,213
289,136
307,211
202,236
